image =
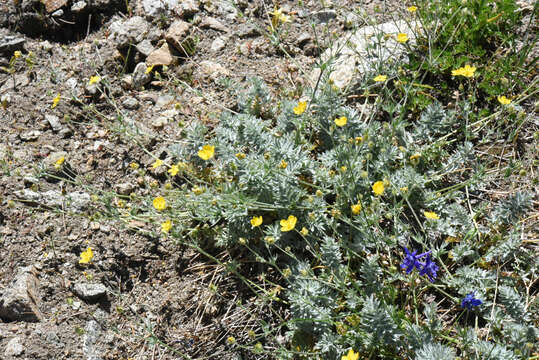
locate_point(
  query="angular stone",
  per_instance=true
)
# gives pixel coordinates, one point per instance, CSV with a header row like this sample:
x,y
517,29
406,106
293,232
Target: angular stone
x,y
129,32
176,34
130,103
53,5
78,7
19,301
247,30
213,23
187,8
140,78
213,69
145,47
359,53
218,44
14,347
54,122
125,188
31,135
161,56
8,44
158,7
90,292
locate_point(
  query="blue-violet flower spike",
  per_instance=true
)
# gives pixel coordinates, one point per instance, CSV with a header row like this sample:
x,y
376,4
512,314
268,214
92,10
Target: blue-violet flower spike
x,y
429,269
470,301
411,260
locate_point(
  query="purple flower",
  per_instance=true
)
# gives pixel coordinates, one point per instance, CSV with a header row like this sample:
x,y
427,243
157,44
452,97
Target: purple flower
x,y
429,269
411,260
470,301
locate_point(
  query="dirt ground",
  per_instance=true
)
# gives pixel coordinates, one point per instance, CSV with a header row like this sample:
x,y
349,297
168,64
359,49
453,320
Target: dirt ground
x,y
158,302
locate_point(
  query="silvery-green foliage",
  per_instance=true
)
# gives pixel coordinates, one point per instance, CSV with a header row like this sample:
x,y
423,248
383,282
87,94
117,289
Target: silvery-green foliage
x,y
506,249
513,303
431,316
417,336
378,324
257,100
371,275
434,121
484,350
511,209
435,351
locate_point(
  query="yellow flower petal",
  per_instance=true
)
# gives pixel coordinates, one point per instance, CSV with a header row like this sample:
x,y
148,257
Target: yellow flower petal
x,y
431,215
304,231
157,163
378,188
352,355
503,100
256,221
166,226
283,164
300,108
174,169
207,152
402,38
240,156
288,224
412,9
356,208
466,71
380,78
159,203
340,122
86,256
94,79
17,54
55,101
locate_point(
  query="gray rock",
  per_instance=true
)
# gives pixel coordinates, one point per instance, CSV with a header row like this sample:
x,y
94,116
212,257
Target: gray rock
x,y
50,161
247,30
359,52
159,122
176,34
52,199
19,301
90,292
130,103
78,200
9,44
58,13
163,101
14,347
54,122
31,135
140,78
145,47
213,69
91,334
130,31
324,16
218,44
158,7
187,8
65,133
78,7
28,195
213,23
125,188
30,180
303,39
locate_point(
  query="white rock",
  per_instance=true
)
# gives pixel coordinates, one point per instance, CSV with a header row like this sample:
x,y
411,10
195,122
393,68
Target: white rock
x,y
14,347
19,301
358,53
158,7
218,44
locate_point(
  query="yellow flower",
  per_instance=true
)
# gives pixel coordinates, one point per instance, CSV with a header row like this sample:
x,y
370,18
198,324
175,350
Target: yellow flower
x,y
149,69
86,256
231,340
378,187
207,152
466,71
59,162
277,17
356,208
198,190
319,193
174,169
94,79
352,355
166,226
341,121
17,54
240,156
431,215
159,203
412,9
402,38
288,224
503,100
415,156
283,164
134,165
300,108
304,231
256,221
55,101
380,78
157,163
